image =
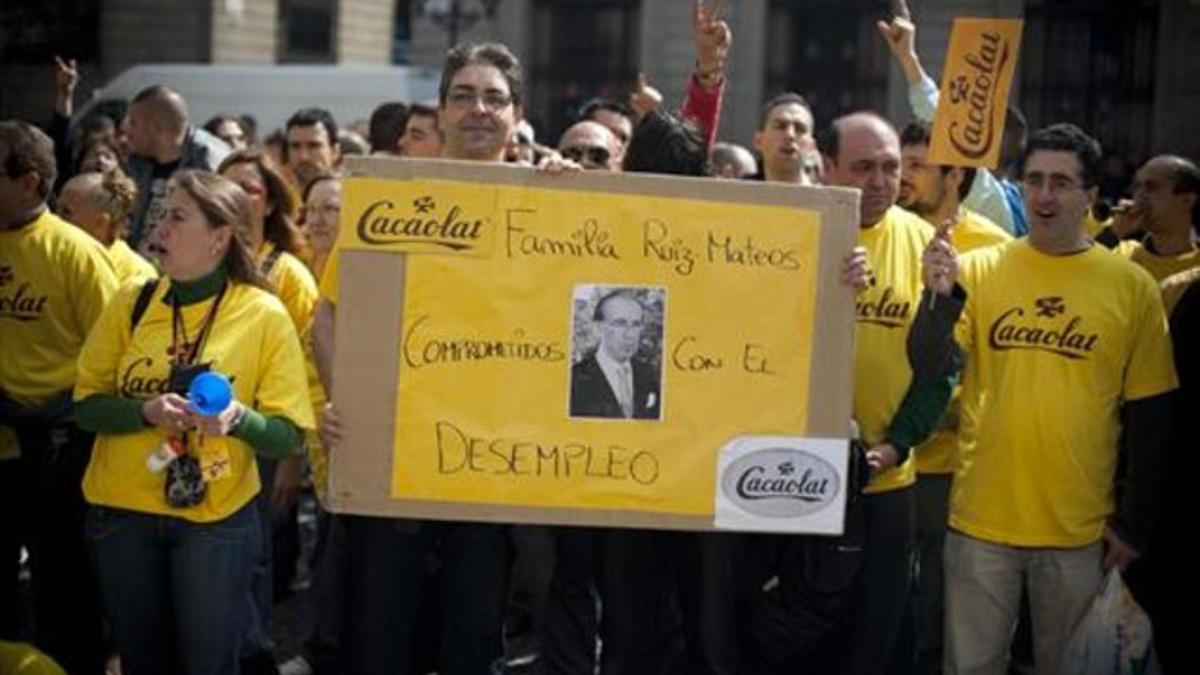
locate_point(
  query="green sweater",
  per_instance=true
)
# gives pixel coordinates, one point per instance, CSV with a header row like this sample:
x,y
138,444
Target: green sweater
x,y
271,436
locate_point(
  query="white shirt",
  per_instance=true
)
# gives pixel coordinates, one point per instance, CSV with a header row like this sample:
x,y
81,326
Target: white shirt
x,y
613,370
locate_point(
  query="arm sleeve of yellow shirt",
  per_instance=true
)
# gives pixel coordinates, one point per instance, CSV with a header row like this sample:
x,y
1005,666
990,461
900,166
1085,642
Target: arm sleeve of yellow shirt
x,y
282,383
93,283
100,356
329,277
1151,367
298,292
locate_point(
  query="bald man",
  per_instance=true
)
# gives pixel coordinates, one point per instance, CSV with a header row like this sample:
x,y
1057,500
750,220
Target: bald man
x,y
592,145
1166,205
899,392
160,143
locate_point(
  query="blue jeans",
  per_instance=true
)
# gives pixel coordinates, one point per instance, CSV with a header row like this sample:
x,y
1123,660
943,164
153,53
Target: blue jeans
x,y
175,591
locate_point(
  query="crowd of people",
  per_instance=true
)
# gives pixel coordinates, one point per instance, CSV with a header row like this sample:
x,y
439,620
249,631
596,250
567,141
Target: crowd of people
x,y
1022,375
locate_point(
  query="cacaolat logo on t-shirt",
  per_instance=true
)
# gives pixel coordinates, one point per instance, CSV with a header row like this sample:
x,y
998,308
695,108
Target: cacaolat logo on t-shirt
x,y
885,310
17,300
422,224
1048,326
143,379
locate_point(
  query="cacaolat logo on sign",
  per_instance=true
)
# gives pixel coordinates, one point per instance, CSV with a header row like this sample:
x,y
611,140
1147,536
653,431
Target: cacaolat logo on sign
x,y
421,225
781,483
1048,328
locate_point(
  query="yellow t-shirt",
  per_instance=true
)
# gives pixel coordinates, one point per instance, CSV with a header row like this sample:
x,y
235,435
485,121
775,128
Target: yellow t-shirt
x,y
329,277
1174,286
293,283
54,281
937,455
1160,267
252,341
297,289
1057,343
9,449
884,313
129,265
1094,226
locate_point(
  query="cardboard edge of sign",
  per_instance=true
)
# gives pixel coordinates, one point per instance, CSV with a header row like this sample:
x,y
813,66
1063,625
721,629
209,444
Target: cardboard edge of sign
x,y
365,378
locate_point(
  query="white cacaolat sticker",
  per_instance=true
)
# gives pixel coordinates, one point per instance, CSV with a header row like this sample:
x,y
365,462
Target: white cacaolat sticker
x,y
782,484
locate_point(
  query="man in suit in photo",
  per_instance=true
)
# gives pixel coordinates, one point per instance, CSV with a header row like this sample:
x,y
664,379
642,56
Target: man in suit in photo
x,y
611,382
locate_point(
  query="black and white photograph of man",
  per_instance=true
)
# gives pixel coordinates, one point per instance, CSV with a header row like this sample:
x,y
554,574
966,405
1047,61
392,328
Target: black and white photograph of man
x,y
617,352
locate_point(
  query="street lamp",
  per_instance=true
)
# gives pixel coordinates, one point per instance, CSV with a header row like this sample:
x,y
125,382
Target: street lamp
x,y
455,15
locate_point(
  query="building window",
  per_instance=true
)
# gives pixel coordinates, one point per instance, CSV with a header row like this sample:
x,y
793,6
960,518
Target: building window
x,y
1093,64
309,30
402,32
830,52
580,51
34,33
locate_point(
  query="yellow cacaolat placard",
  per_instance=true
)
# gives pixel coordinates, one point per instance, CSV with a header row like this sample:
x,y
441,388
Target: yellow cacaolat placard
x,y
601,351
980,62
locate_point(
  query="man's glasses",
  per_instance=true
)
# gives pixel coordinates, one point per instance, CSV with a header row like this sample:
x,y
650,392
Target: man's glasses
x,y
594,154
493,101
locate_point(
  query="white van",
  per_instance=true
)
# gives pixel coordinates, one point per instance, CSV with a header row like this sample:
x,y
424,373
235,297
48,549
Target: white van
x,y
271,93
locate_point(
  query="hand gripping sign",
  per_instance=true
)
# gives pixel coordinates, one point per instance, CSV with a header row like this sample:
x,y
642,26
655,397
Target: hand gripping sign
x,y
592,349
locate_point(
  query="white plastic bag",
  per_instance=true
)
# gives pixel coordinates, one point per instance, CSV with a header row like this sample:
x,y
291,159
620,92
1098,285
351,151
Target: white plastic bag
x,y
1113,638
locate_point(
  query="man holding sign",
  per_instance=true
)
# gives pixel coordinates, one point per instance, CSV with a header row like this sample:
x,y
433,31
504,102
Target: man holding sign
x,y
1070,344
479,106
899,392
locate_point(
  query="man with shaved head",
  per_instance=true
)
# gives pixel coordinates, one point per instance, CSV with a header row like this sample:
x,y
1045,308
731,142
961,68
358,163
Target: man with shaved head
x,y
1166,204
898,394
160,143
732,161
592,145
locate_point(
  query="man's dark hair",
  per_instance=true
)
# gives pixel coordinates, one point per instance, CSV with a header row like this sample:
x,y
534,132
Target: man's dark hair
x,y
786,98
387,126
249,126
664,143
489,53
216,121
29,150
422,110
1065,137
595,105
920,133
598,313
307,117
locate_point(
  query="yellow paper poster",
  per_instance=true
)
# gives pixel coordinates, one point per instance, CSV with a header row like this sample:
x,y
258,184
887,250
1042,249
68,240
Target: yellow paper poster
x,y
603,352
980,63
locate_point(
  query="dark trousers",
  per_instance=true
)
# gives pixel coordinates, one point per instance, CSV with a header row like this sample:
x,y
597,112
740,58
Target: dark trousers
x,y
325,645
175,591
802,594
389,563
670,602
261,597
932,493
14,500
884,622
570,619
66,604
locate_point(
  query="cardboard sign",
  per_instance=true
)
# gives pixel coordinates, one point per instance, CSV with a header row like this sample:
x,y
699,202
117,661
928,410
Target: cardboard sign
x,y
579,349
980,62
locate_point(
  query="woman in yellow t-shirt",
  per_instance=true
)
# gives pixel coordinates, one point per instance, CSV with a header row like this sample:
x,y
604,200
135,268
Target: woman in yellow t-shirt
x,y
100,204
174,547
278,247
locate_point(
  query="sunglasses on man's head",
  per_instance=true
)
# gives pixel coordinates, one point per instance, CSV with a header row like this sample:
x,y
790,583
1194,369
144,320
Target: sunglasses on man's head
x,y
595,154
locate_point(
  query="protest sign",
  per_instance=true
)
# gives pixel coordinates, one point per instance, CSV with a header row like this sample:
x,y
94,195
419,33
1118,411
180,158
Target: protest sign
x,y
488,317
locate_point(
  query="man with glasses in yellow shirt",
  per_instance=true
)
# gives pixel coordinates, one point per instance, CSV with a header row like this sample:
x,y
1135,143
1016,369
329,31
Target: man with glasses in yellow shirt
x,y
1069,347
